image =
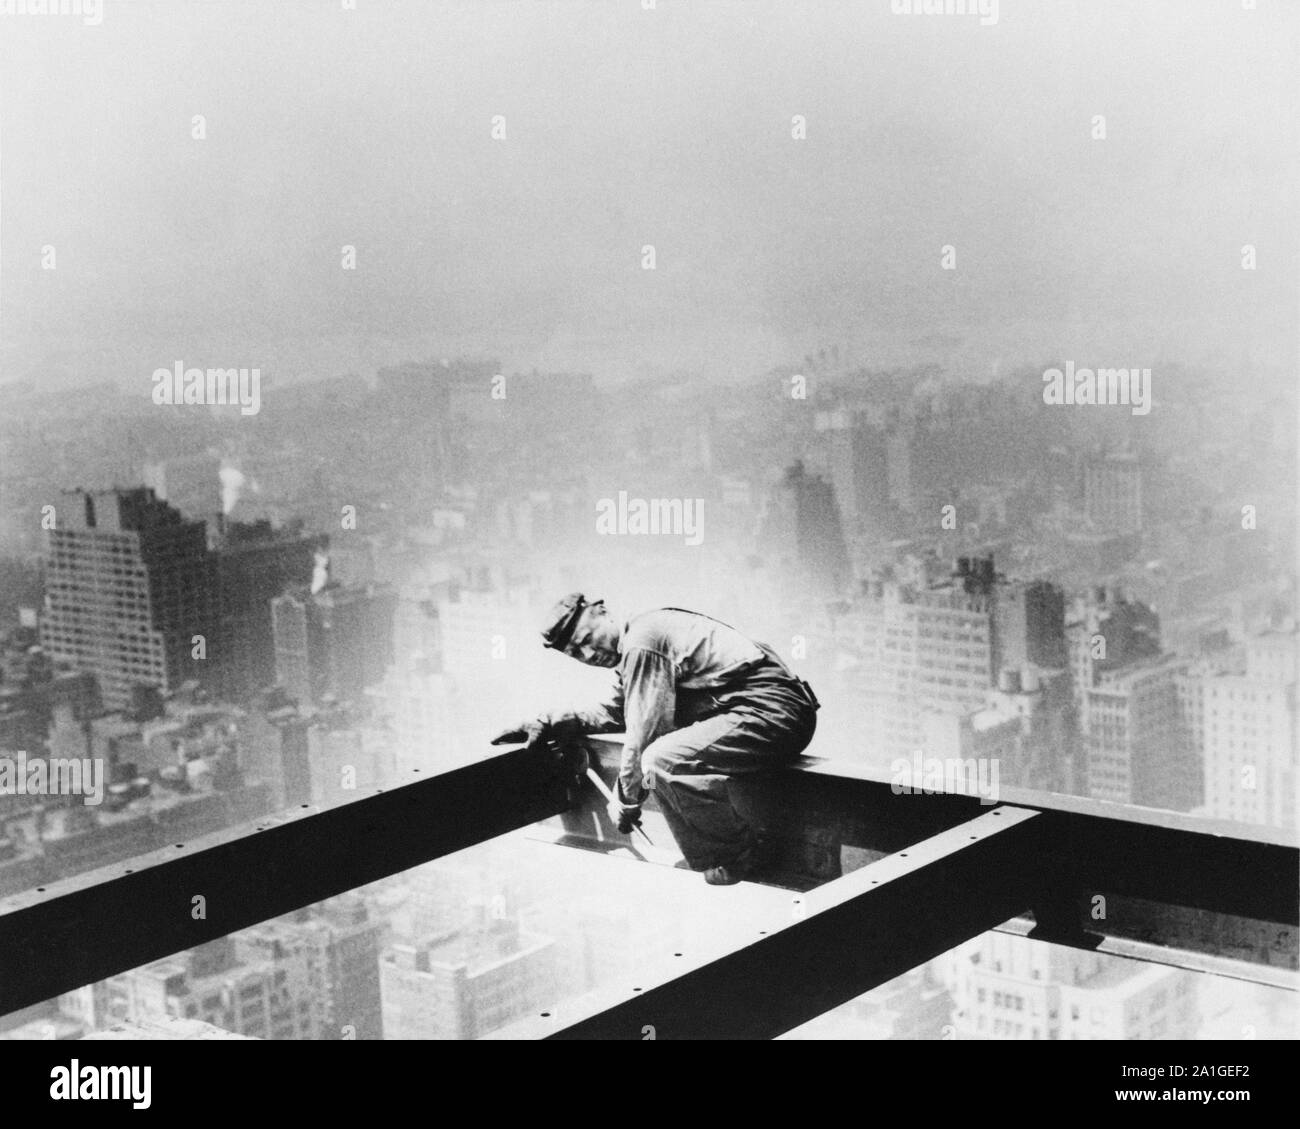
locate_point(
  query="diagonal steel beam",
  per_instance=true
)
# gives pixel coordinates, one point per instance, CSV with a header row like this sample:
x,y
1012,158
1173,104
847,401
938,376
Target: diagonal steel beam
x,y
785,967
98,924
1113,875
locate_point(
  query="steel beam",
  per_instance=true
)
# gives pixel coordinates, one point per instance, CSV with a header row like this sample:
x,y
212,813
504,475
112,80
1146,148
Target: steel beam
x,y
95,925
1106,872
781,968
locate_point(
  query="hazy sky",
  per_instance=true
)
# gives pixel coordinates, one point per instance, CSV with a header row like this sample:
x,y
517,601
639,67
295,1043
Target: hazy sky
x,y
626,127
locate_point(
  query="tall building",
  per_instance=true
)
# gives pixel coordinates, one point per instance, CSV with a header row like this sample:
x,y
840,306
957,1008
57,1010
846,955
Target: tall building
x,y
352,966
480,625
276,747
129,585
1137,748
1009,987
855,457
901,467
455,644
1104,632
1112,492
338,943
919,652
1029,626
1028,725
1244,733
336,641
255,563
466,983
417,629
266,982
801,534
919,646
346,759
425,724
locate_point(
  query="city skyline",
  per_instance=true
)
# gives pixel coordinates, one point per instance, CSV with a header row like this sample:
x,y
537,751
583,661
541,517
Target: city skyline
x,y
898,398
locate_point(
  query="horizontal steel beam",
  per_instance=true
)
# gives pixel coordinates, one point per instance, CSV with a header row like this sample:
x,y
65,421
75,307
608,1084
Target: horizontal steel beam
x,y
103,922
1105,870
782,968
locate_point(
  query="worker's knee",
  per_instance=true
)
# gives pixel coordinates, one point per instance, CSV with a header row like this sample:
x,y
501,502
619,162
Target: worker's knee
x,y
663,759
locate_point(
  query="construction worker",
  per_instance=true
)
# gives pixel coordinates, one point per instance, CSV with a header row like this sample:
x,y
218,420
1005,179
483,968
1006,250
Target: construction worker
x,y
699,703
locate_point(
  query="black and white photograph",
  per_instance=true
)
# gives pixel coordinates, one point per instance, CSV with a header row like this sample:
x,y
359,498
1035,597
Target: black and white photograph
x,y
649,520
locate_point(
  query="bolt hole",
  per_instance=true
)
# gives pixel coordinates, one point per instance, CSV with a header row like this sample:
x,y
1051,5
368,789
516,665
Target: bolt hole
x,y
180,844
545,1014
677,954
40,889
636,989
903,855
130,872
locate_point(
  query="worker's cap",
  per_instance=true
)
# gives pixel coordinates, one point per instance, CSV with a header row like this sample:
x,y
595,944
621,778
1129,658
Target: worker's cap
x,y
559,626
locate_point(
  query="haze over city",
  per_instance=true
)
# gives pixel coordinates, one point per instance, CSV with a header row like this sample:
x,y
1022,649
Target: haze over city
x,y
626,127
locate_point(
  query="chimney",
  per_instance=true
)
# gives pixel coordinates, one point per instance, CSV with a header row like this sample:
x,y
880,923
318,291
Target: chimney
x,y
320,575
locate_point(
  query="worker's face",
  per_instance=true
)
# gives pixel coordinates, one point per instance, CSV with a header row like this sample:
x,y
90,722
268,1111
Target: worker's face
x,y
595,639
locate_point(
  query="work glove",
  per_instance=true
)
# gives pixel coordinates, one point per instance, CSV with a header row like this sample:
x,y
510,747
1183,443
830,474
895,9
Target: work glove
x,y
530,733
624,816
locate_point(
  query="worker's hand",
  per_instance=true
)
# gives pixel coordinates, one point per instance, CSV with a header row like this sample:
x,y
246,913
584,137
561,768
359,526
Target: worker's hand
x,y
624,816
529,732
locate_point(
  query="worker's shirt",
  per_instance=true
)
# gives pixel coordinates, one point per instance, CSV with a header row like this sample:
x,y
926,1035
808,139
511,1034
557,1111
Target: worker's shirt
x,y
662,652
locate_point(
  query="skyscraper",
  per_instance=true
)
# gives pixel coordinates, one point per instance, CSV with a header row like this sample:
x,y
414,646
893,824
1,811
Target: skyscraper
x,y
336,641
1245,731
1010,987
855,455
1112,492
935,645
130,585
1104,631
1137,749
465,983
352,966
801,534
256,563
266,982
914,651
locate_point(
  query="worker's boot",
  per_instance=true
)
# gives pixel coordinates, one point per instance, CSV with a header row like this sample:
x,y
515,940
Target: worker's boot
x,y
727,874
752,860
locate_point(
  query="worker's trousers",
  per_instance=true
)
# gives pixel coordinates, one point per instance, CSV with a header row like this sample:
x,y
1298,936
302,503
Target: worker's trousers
x,y
763,723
